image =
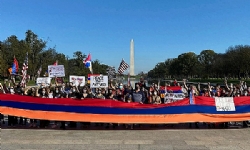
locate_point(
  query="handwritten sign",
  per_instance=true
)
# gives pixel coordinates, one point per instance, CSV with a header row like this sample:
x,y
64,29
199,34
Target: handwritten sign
x,y
224,104
92,75
43,80
98,81
77,80
56,71
172,97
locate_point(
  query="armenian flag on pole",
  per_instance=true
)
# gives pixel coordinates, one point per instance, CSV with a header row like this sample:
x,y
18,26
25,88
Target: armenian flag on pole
x,y
14,68
88,63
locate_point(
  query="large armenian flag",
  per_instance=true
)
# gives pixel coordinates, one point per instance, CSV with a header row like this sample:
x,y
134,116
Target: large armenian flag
x,y
205,109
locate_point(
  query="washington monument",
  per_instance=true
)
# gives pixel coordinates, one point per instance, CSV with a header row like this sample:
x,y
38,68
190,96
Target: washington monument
x,y
132,57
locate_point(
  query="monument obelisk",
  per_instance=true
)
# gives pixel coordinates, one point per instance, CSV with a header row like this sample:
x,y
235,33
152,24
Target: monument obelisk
x,y
132,58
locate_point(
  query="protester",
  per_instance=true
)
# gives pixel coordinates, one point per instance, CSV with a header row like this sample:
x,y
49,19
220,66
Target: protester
x,y
31,92
73,92
129,100
146,93
41,92
57,93
155,97
84,94
120,93
138,96
99,94
127,92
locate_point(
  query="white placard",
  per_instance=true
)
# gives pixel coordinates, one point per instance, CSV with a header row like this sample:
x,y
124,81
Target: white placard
x,y
76,80
56,71
224,104
98,81
172,97
43,80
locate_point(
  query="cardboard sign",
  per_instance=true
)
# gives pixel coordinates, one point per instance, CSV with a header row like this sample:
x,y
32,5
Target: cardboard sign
x,y
224,104
92,75
172,97
43,80
98,81
77,80
56,71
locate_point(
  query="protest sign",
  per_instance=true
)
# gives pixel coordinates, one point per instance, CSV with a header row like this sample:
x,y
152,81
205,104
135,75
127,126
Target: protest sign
x,y
56,71
224,104
172,97
92,75
77,80
43,80
98,81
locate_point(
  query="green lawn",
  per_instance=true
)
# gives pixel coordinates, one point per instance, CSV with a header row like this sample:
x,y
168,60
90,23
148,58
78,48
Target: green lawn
x,y
212,81
219,81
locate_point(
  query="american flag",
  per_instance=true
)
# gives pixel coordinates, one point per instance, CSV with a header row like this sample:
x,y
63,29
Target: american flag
x,y
24,71
123,66
39,71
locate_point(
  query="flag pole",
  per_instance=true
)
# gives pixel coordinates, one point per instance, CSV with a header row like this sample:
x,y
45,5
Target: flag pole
x,y
92,71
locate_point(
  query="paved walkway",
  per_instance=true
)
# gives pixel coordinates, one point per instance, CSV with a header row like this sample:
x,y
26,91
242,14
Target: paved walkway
x,y
167,139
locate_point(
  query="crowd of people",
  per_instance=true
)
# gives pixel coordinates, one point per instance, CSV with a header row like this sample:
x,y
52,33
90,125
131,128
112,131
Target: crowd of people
x,y
115,91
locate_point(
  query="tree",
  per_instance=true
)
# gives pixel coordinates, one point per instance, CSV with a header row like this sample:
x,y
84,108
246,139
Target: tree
x,y
2,63
174,68
207,62
76,65
244,55
220,67
160,71
35,46
99,68
238,60
187,63
41,55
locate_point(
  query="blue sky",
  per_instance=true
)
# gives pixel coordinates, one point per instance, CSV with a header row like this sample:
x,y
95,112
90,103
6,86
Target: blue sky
x,y
161,29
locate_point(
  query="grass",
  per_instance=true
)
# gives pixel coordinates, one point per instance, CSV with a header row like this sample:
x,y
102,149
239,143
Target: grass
x,y
205,81
219,81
